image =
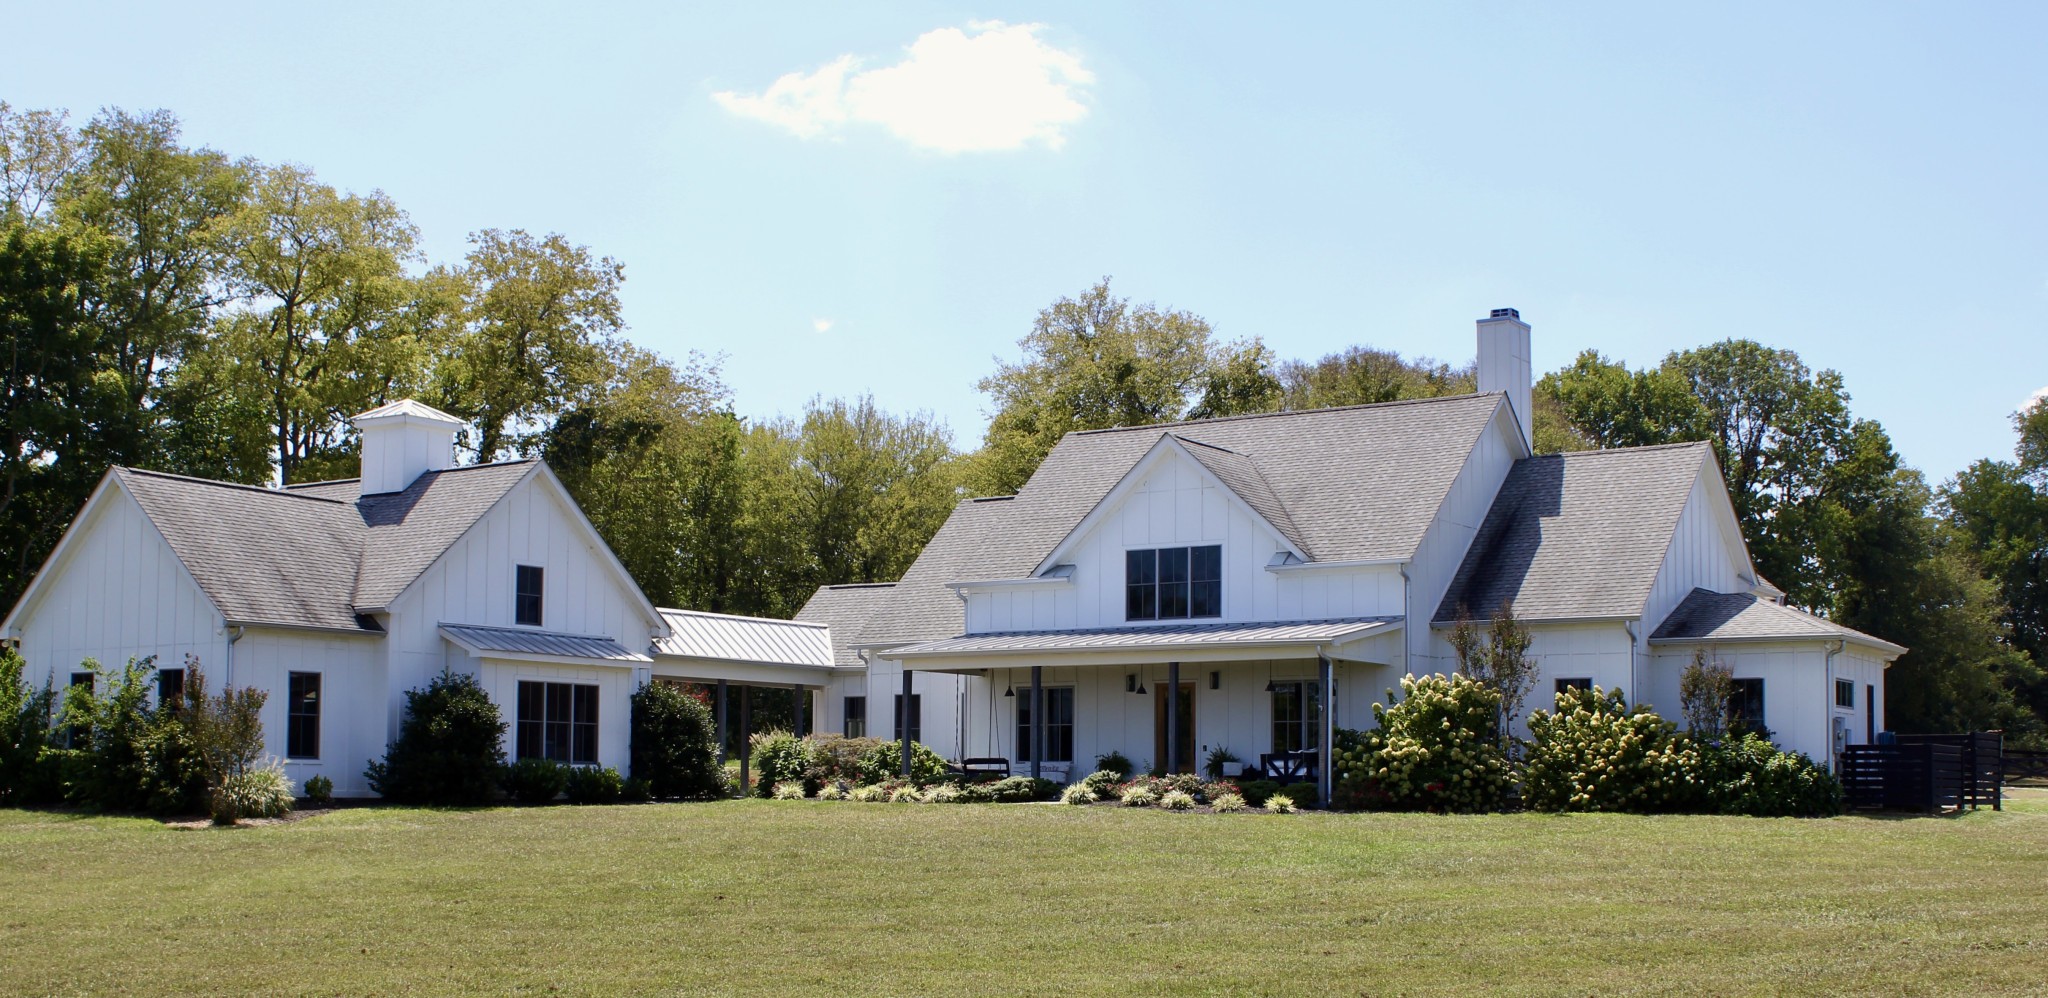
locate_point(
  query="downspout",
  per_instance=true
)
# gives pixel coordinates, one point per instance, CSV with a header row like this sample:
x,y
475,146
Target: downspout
x,y
1827,700
228,667
1407,625
1629,626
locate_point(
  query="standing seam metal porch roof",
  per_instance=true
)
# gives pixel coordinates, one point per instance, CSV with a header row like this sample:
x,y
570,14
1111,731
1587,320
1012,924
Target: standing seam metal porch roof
x,y
1153,637
550,644
695,634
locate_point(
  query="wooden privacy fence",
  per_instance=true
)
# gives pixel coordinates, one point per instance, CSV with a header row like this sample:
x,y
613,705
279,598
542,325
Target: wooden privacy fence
x,y
1925,773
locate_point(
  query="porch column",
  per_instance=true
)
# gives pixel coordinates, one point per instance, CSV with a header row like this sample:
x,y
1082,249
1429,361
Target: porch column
x,y
796,700
903,722
1037,719
719,704
1172,718
1325,768
746,737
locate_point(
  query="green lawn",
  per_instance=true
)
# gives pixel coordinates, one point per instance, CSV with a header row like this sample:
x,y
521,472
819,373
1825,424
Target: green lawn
x,y
786,897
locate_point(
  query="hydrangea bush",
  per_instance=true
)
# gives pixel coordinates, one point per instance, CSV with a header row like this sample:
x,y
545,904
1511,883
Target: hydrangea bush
x,y
1595,753
1435,748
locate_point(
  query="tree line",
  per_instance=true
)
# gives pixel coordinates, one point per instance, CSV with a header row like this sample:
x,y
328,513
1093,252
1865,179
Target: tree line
x,y
170,307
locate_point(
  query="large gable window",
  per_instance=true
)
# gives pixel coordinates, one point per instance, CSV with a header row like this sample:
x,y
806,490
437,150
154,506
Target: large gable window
x,y
526,606
1173,583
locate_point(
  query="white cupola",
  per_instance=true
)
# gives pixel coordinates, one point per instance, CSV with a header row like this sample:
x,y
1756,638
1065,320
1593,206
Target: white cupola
x,y
403,440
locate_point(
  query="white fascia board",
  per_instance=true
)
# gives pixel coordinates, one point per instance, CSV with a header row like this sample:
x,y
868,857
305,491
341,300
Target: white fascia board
x,y
1890,650
978,585
1315,566
1602,618
1124,486
273,625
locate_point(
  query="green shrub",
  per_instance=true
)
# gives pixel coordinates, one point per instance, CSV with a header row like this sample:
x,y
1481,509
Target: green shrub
x,y
1302,794
780,756
1748,775
1435,748
1595,753
675,745
1280,804
1115,762
884,762
837,757
319,789
975,793
595,785
25,734
1256,792
1177,800
1228,804
1078,793
117,725
536,781
449,748
789,790
1102,783
1023,789
252,793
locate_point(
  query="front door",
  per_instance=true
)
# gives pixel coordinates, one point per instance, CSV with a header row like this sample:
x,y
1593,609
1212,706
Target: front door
x,y
1186,727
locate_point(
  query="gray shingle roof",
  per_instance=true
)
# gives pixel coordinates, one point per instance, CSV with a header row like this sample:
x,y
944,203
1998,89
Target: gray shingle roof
x,y
553,644
1576,535
1710,616
314,556
1241,475
846,610
694,634
1151,637
1357,483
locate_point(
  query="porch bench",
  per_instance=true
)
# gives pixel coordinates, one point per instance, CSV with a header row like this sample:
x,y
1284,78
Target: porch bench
x,y
1288,767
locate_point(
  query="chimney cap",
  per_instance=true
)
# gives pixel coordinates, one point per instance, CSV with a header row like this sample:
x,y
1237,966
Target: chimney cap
x,y
1506,313
405,410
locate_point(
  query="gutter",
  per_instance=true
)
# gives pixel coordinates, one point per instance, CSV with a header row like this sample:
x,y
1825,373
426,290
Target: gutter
x,y
1307,566
1629,626
1407,652
1827,697
235,632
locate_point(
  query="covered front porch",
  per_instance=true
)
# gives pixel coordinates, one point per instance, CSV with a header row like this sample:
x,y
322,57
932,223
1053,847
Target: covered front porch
x,y
1166,698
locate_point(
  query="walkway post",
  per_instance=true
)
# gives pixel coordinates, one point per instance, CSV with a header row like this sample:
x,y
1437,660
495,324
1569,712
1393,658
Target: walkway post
x,y
746,736
1172,718
1326,769
903,722
720,711
797,698
1037,719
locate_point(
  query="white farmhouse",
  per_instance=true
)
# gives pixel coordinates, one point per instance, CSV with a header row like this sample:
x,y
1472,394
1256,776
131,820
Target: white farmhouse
x,y
338,597
1168,591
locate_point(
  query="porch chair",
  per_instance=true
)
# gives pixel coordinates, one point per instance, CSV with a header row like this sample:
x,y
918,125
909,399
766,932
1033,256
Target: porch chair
x,y
1289,767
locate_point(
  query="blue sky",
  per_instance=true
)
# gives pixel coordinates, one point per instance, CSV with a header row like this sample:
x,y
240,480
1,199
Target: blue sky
x,y
1859,183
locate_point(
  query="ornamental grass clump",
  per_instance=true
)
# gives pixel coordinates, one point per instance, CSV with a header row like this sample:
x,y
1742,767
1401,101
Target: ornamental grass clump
x,y
1436,748
1228,804
870,793
1139,795
905,793
1280,804
1177,800
942,793
1078,793
789,790
833,791
1595,753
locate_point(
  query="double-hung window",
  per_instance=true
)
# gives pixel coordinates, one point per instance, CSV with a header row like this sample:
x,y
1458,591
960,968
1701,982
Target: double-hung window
x,y
1295,716
170,690
1580,683
526,603
302,716
1173,583
558,721
1059,723
1746,706
856,725
1845,693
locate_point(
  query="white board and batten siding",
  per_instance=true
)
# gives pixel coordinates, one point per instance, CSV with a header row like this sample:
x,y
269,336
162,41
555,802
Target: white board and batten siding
x,y
1450,535
352,689
1796,689
474,582
1703,554
116,592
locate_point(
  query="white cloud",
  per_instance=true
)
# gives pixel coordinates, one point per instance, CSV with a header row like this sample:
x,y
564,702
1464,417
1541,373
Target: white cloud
x,y
2039,396
990,87
822,325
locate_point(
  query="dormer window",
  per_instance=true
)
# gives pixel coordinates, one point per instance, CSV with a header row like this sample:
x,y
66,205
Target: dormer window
x,y
526,602
1173,583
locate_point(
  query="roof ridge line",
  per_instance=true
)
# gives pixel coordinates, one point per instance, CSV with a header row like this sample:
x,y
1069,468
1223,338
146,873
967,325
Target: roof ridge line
x,y
1674,445
217,483
736,616
1390,403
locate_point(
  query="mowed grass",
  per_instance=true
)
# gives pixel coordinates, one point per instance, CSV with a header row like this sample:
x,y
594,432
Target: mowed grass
x,y
806,897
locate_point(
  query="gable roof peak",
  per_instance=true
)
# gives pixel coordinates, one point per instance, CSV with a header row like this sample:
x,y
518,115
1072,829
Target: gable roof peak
x,y
1287,413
